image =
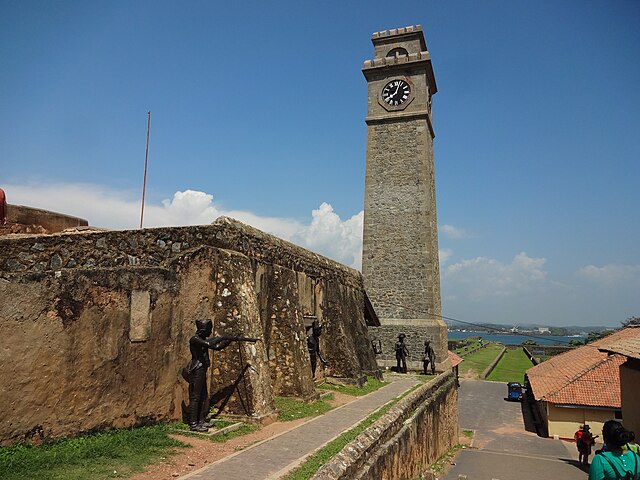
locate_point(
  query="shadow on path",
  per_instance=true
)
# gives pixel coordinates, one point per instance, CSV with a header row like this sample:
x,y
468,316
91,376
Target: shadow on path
x,y
528,417
575,463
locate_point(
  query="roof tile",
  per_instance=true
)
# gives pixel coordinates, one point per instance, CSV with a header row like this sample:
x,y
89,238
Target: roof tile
x,y
587,375
455,359
628,346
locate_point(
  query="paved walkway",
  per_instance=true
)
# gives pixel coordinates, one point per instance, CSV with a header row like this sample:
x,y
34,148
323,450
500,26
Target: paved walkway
x,y
273,458
503,448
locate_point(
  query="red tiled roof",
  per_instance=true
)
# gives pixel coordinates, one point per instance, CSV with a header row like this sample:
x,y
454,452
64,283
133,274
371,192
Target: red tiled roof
x,y
455,359
583,376
629,347
598,387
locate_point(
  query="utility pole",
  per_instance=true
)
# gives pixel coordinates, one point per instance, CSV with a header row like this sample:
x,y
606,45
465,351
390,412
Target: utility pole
x,y
146,162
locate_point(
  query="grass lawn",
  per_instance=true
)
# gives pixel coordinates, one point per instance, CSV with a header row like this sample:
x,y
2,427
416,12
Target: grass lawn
x,y
372,385
111,454
511,367
477,362
292,409
472,344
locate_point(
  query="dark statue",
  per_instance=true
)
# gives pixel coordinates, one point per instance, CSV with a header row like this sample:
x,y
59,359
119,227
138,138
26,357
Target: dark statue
x,y
313,345
401,354
429,357
196,373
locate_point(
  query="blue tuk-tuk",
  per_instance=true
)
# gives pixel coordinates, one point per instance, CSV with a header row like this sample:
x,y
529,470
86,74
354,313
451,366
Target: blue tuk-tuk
x,y
514,391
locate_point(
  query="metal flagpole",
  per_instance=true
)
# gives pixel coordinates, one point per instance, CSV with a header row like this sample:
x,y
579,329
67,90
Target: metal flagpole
x,y
146,162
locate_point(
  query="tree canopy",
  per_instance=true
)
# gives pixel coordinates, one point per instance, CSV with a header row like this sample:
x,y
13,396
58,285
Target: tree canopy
x,y
630,322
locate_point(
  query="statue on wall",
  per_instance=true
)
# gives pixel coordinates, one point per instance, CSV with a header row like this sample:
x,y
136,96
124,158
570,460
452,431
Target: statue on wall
x,y
401,354
313,345
429,357
196,372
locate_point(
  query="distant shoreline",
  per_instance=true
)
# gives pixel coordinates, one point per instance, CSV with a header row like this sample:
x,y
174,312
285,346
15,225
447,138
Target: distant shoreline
x,y
509,338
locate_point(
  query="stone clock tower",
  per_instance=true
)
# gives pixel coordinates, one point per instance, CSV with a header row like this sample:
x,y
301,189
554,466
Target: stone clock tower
x,y
400,250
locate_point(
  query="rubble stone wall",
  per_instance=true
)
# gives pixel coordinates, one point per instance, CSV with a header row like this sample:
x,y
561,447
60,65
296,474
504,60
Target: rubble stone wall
x,y
95,325
51,222
153,247
406,440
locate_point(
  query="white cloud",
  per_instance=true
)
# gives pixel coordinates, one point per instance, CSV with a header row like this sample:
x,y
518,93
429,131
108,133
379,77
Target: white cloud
x,y
477,289
611,273
327,234
453,232
483,277
337,239
444,254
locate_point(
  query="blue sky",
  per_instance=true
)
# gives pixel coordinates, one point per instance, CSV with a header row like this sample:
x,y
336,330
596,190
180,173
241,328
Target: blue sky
x,y
258,112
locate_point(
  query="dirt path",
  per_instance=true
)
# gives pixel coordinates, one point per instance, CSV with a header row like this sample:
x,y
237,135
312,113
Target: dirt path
x,y
203,451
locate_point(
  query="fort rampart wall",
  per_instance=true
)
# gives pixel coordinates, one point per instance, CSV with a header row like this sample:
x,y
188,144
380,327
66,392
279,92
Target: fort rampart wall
x,y
95,325
406,440
51,222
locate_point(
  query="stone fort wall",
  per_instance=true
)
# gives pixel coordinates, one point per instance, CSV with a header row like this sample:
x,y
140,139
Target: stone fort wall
x,y
95,325
50,222
406,440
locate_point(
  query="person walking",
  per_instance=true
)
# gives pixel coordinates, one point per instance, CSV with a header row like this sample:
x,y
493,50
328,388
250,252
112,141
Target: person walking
x,y
584,442
614,461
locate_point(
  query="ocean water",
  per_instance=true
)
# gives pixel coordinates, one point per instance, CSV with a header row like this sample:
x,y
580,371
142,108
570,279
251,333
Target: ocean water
x,y
515,339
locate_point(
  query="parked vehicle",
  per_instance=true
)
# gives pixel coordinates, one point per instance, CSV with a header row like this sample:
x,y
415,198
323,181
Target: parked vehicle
x,y
514,391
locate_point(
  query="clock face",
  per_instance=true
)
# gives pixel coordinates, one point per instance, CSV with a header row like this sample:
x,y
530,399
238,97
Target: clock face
x,y
396,92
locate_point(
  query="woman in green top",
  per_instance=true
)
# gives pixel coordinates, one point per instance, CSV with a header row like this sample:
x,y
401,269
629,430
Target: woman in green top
x,y
615,462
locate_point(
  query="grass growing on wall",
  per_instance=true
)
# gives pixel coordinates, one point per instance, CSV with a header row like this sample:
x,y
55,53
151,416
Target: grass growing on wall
x,y
476,363
511,367
112,454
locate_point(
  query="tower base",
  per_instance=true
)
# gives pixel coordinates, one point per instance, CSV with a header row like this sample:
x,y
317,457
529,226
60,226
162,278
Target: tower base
x,y
416,331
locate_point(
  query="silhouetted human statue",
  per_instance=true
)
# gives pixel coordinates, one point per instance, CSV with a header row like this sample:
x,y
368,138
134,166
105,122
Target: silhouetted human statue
x,y
429,357
313,345
401,354
199,345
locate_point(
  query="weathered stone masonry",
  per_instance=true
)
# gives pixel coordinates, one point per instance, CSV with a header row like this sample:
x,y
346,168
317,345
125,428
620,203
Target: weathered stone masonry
x,y
405,441
95,325
400,242
415,337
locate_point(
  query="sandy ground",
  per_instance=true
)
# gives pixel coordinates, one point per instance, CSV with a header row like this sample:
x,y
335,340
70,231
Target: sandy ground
x,y
203,451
